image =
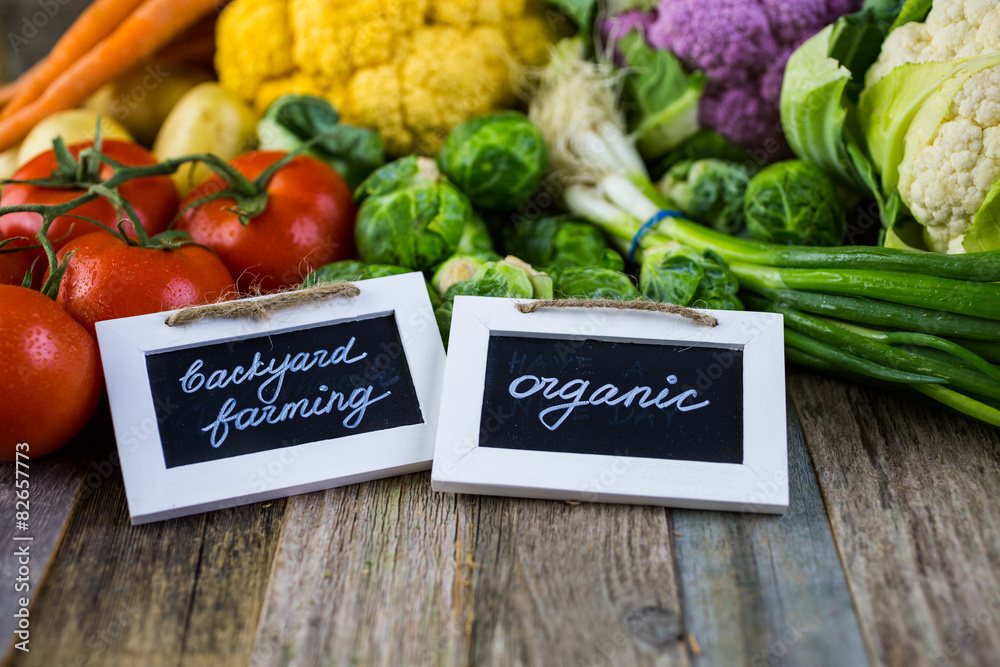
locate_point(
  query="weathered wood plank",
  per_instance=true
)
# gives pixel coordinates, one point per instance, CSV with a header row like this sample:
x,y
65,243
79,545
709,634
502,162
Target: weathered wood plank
x,y
561,584
761,590
237,549
54,484
187,589
912,493
370,574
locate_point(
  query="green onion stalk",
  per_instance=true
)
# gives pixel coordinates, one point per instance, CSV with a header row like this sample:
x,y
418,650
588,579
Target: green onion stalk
x,y
923,322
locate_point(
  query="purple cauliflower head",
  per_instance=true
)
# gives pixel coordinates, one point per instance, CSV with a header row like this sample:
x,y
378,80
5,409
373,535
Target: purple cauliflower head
x,y
748,119
742,47
772,78
729,40
792,22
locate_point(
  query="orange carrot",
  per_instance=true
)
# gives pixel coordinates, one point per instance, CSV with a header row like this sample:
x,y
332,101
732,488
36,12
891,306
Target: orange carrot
x,y
143,33
94,24
9,90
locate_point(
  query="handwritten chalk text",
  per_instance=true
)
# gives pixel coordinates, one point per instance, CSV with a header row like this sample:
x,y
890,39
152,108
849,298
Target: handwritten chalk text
x,y
574,393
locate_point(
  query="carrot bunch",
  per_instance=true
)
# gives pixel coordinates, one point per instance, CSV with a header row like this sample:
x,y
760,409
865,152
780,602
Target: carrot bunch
x,y
109,38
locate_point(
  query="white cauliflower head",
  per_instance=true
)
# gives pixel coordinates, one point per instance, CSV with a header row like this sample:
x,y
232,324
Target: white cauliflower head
x,y
948,112
944,177
953,29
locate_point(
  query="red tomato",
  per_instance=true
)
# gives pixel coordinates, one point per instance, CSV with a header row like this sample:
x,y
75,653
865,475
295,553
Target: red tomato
x,y
49,380
154,198
13,265
107,279
308,222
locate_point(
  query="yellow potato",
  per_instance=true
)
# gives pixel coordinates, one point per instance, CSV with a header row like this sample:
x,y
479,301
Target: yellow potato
x,y
142,98
8,162
207,119
73,125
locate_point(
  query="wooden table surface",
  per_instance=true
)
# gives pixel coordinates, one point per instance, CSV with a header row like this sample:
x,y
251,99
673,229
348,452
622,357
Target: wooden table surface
x,y
889,554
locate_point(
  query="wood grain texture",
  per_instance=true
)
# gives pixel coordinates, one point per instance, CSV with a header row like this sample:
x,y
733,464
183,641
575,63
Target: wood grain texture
x,y
55,483
370,574
561,584
389,573
763,590
186,590
912,494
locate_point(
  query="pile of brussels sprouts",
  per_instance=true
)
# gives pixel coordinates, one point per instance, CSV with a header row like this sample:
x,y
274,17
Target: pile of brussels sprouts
x,y
791,202
463,219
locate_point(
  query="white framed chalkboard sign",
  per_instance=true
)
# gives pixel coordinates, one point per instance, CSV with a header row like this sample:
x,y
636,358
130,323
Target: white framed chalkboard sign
x,y
222,412
594,404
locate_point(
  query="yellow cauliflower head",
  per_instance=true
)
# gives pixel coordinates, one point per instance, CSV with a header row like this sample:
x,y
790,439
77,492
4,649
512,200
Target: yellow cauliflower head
x,y
410,69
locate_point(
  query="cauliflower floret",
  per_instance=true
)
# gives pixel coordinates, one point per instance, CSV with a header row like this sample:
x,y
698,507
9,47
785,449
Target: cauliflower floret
x,y
948,178
728,43
264,24
954,29
410,69
790,21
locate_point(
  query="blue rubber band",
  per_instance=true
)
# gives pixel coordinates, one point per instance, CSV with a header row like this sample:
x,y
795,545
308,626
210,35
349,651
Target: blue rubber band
x,y
652,222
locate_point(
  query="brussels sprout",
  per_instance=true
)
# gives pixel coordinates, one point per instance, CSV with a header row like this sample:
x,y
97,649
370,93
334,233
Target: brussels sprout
x,y
498,160
500,279
795,203
292,120
682,276
460,267
561,242
541,283
475,237
594,283
348,269
710,191
351,270
410,215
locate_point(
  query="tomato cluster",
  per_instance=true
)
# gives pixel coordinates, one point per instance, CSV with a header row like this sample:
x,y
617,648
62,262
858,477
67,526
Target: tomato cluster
x,y
51,379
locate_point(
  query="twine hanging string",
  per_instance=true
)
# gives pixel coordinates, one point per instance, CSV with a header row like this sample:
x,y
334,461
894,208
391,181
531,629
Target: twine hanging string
x,y
697,316
261,308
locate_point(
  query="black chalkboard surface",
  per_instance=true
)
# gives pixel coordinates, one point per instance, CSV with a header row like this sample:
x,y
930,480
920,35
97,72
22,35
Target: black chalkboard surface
x,y
613,398
272,391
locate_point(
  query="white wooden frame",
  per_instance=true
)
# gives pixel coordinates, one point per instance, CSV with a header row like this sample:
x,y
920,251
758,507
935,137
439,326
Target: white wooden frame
x,y
156,492
759,484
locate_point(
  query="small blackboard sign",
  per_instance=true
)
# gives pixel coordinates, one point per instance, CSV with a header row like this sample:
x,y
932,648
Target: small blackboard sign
x,y
580,396
280,390
219,412
614,405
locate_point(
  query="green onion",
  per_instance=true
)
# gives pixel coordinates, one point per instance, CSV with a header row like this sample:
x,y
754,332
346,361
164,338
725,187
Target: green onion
x,y
838,358
883,313
989,350
953,296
